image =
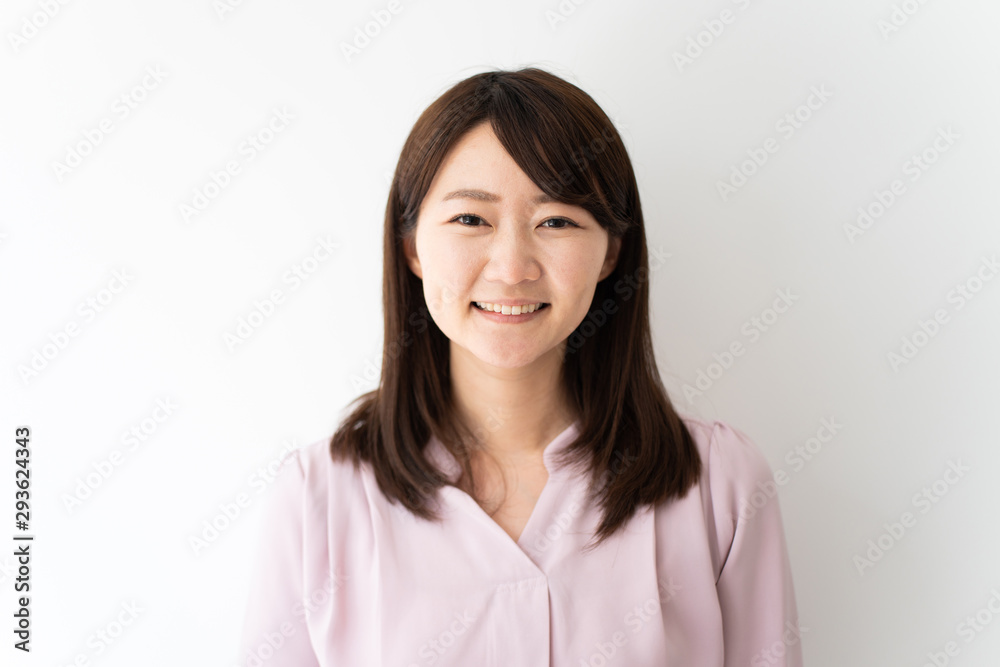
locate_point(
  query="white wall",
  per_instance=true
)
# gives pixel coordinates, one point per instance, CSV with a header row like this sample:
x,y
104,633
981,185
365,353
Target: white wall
x,y
887,95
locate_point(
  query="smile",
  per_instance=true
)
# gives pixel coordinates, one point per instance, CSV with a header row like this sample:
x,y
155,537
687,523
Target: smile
x,y
509,310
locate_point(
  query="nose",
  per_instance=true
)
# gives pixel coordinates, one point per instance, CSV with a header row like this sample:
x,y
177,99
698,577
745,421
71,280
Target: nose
x,y
512,256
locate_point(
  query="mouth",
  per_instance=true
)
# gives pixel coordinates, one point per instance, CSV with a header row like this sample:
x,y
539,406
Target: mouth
x,y
498,309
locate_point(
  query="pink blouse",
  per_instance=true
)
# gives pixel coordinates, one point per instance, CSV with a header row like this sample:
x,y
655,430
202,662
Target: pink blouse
x,y
344,578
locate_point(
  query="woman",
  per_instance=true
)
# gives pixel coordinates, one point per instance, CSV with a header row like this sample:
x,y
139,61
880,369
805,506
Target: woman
x,y
519,490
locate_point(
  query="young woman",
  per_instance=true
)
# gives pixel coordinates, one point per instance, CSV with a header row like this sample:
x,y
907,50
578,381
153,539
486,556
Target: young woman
x,y
519,490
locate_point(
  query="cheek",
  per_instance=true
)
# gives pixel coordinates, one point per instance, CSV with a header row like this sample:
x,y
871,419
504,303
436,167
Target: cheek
x,y
576,273
448,276
574,281
452,263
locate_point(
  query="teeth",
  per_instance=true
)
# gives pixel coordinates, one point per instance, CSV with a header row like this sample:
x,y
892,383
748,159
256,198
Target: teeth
x,y
508,310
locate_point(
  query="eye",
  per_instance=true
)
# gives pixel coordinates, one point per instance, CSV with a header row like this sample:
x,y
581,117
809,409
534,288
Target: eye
x,y
561,223
568,223
466,215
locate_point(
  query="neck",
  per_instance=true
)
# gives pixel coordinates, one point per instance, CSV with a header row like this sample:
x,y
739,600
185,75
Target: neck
x,y
512,412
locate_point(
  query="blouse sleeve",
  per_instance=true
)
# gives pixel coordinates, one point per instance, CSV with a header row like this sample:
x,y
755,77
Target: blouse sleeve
x,y
274,625
756,594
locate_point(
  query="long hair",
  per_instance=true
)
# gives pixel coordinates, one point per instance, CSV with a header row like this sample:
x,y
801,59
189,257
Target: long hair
x,y
634,444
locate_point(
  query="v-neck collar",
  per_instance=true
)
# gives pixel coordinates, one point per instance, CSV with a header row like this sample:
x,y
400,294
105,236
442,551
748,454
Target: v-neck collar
x,y
545,507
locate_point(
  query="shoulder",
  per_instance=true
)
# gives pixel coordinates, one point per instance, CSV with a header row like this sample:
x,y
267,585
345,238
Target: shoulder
x,y
324,501
730,458
313,459
735,484
311,473
736,479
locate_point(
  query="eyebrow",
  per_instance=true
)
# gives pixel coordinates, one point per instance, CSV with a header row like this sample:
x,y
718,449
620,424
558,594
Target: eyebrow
x,y
482,195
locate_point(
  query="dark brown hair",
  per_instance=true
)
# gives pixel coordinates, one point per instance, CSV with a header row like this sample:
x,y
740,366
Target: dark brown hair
x,y
631,439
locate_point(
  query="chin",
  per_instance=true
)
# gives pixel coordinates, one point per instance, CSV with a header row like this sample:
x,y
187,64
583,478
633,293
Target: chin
x,y
508,363
505,358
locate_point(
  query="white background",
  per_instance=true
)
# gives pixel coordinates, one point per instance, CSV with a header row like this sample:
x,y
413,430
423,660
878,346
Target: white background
x,y
161,336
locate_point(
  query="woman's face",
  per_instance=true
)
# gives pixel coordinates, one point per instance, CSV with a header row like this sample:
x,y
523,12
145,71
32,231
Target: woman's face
x,y
485,232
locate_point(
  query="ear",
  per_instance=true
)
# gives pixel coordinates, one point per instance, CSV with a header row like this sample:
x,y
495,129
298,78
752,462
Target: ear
x,y
611,258
410,251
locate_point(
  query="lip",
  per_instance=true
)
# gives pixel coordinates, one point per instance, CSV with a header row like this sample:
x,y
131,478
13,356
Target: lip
x,y
511,302
509,319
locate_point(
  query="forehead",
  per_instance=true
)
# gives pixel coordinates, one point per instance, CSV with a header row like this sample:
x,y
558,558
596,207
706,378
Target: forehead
x,y
478,166
479,139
